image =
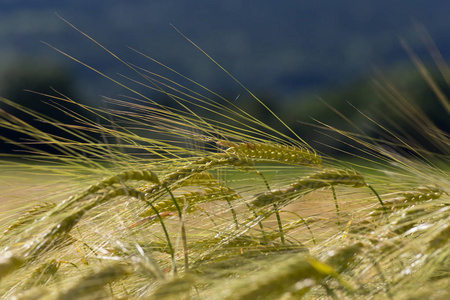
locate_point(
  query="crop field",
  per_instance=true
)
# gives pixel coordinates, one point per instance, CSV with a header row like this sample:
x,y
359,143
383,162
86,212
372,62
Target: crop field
x,y
202,200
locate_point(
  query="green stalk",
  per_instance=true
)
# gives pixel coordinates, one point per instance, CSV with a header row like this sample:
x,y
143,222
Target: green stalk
x,y
182,227
379,199
277,214
336,204
166,233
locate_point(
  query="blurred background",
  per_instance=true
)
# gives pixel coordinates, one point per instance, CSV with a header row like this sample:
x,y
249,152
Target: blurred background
x,y
289,53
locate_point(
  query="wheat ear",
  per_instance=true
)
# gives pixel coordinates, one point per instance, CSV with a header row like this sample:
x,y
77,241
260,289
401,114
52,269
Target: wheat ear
x,y
272,152
59,232
29,216
325,178
93,282
422,193
142,175
205,194
43,273
190,199
273,282
199,166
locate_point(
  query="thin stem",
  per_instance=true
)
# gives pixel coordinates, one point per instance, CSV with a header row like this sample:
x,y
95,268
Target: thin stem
x,y
233,213
336,204
169,244
208,215
379,199
306,224
280,226
277,214
182,227
259,223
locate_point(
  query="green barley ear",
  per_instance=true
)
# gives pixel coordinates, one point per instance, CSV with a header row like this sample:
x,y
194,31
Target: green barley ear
x,y
190,200
43,273
177,287
279,278
199,166
29,217
420,194
138,175
95,282
271,152
423,193
322,179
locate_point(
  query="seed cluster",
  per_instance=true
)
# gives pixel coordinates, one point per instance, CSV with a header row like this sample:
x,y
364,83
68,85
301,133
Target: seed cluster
x,y
325,178
206,194
29,216
422,193
273,152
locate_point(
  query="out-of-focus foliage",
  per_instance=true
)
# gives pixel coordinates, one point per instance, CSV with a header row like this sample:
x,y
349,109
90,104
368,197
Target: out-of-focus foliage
x,y
289,47
373,96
